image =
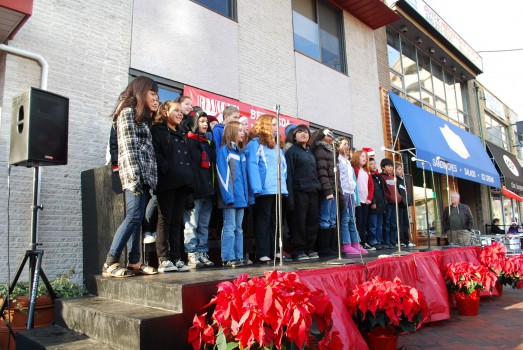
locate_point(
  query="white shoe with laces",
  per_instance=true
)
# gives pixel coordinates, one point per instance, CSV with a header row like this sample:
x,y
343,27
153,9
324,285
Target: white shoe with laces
x,y
193,261
166,266
180,265
411,245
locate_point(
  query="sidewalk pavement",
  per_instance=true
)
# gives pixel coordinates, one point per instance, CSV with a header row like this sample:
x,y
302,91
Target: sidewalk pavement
x,y
499,325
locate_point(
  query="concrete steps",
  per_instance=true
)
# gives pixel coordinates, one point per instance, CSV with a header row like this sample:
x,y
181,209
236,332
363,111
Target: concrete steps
x,y
56,338
117,324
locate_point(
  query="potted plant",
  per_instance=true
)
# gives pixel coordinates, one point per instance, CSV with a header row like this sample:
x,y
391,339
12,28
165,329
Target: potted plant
x,y
509,270
17,312
276,311
465,280
381,308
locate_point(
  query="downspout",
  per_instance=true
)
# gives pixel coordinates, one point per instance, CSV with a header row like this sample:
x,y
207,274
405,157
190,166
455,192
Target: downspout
x,y
482,137
37,180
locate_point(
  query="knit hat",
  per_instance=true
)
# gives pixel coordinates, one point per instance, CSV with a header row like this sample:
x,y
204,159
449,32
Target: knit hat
x,y
369,151
288,132
211,118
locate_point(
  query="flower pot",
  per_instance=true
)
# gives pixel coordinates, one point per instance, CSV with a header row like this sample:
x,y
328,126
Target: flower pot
x,y
382,338
19,314
499,288
467,304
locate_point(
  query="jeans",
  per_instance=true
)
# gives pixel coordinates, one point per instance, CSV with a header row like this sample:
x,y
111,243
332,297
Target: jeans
x,y
232,234
130,227
328,217
196,231
375,228
390,235
350,199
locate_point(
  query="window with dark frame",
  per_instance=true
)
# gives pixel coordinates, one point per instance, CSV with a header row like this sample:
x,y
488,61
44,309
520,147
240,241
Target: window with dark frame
x,y
226,8
318,32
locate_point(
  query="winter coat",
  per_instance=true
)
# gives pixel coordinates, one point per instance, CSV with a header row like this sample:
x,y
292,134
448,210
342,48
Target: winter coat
x,y
231,170
199,145
262,168
402,189
389,189
217,134
174,163
301,172
325,169
379,195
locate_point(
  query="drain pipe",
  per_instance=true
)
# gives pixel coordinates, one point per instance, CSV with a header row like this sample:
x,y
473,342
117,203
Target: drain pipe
x,y
32,56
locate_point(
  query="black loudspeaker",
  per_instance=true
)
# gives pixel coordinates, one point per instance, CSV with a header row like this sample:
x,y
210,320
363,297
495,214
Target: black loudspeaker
x,y
39,129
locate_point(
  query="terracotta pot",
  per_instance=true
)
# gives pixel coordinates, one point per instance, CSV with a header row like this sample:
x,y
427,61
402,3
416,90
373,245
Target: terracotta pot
x,y
382,338
44,316
467,304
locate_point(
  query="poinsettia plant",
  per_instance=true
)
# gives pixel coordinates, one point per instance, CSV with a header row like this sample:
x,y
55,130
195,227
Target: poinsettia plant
x,y
380,302
467,277
267,312
508,269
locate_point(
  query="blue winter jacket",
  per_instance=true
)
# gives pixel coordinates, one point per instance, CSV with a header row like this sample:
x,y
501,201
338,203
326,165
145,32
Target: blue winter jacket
x,y
262,168
231,166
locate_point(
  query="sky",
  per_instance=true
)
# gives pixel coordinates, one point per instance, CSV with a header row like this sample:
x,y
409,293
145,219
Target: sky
x,y
491,25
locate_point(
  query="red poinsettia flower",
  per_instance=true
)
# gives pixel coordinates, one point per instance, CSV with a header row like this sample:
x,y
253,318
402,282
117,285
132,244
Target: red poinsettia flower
x,y
379,302
466,277
266,312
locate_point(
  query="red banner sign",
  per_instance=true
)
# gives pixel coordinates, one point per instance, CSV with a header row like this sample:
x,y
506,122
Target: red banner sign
x,y
214,104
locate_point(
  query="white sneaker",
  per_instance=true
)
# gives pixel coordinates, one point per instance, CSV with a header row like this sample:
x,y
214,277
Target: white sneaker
x,y
167,266
204,259
149,237
181,267
411,245
194,261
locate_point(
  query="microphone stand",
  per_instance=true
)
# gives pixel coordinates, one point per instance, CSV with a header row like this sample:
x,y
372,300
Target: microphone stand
x,y
448,195
278,230
426,202
399,252
339,260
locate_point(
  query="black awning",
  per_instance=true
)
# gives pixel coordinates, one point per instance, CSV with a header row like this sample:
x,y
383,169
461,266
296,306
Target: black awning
x,y
509,166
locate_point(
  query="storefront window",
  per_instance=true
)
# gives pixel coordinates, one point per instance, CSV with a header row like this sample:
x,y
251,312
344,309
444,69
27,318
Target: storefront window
x,y
317,32
496,132
425,82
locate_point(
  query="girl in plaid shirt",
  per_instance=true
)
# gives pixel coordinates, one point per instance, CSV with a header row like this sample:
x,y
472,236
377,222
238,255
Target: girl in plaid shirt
x,y
137,169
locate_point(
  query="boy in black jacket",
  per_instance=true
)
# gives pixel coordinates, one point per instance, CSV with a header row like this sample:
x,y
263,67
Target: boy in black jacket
x,y
377,208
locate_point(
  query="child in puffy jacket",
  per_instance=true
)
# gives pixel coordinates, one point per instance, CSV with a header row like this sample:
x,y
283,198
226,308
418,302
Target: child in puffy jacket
x,y
233,198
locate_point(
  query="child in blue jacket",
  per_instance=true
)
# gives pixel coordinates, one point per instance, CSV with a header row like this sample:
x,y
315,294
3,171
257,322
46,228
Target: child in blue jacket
x,y
231,167
262,153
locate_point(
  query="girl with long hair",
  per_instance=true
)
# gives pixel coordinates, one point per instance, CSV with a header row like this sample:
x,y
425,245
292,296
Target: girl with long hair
x,y
175,182
262,154
234,193
134,111
360,164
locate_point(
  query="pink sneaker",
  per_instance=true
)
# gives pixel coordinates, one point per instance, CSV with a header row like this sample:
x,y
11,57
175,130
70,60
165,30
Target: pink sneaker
x,y
358,247
348,249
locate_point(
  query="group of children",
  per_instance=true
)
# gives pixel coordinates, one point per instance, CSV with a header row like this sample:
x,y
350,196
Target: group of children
x,y
173,156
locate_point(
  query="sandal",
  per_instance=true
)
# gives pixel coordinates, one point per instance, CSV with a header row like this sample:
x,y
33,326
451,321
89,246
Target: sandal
x,y
116,270
140,268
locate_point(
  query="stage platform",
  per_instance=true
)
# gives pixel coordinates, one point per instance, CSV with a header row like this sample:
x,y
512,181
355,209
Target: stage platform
x,y
151,312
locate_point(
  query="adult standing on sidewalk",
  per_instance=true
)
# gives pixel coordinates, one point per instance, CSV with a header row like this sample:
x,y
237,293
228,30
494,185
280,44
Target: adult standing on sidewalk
x,y
457,226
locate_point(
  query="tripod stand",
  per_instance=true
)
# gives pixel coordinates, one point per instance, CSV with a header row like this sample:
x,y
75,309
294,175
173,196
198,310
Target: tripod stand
x,y
34,256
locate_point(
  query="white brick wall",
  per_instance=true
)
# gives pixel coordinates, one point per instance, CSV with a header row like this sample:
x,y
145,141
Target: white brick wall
x,y
87,47
267,73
